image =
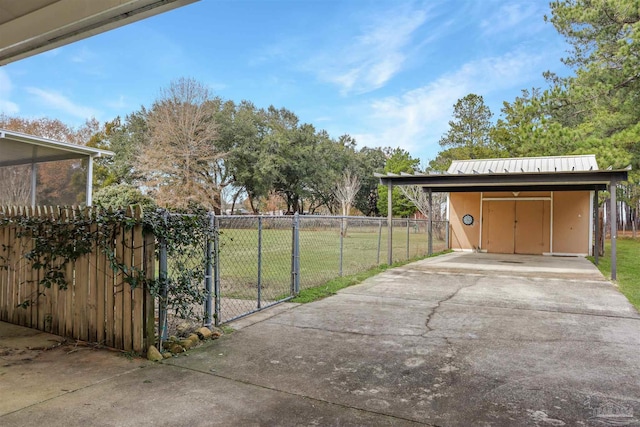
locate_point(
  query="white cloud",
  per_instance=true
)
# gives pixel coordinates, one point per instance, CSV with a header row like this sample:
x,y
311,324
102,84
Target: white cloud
x,y
372,58
83,55
416,119
6,106
60,102
519,17
117,104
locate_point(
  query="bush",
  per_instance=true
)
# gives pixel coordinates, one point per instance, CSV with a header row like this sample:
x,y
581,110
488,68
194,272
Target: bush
x,y
122,195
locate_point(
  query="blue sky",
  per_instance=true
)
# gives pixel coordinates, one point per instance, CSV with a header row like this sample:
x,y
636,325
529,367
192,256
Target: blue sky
x,y
384,71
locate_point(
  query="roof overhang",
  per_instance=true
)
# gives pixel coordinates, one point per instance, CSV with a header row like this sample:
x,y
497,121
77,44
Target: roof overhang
x,y
19,149
533,181
34,26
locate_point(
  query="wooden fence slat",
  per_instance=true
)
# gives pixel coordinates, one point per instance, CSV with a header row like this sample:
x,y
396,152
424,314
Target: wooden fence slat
x,y
32,281
127,294
81,282
66,215
149,302
138,292
60,294
119,291
3,270
92,276
101,298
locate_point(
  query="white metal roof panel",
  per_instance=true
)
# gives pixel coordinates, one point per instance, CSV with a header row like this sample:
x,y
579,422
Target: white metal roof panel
x,y
17,148
525,164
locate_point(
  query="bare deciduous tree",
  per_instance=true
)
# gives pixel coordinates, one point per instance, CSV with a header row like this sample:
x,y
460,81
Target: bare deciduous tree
x,y
420,199
16,185
345,192
181,162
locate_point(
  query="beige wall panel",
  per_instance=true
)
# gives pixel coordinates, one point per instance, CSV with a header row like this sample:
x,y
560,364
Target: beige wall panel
x,y
464,236
498,220
571,222
532,226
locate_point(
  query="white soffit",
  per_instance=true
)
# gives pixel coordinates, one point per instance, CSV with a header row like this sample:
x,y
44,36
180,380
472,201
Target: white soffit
x,y
581,163
28,27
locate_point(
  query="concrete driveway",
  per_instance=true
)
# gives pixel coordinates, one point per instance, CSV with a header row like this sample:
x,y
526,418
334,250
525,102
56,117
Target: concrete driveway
x,y
457,340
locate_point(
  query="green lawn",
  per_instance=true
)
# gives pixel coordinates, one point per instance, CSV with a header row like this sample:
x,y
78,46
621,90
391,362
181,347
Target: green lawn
x,y
628,267
319,257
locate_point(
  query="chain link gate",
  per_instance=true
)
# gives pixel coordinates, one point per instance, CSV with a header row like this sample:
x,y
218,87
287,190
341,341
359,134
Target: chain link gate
x,y
256,263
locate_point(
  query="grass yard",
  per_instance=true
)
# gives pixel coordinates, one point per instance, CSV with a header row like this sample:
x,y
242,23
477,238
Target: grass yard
x,y
334,285
319,257
628,268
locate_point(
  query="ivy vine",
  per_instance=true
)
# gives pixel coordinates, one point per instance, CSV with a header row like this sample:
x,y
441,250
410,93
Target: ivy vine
x,y
61,239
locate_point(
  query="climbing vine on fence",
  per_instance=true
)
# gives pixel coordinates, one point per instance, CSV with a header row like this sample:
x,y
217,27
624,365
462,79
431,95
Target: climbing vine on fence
x,y
62,235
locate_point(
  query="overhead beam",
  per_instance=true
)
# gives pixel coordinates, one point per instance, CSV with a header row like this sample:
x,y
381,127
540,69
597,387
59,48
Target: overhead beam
x,y
514,179
495,188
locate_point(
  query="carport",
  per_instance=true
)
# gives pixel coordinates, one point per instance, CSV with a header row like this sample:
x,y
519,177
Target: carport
x,y
530,177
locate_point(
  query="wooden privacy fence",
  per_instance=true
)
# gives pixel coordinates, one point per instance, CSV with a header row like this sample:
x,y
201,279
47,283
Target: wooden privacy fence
x,y
98,305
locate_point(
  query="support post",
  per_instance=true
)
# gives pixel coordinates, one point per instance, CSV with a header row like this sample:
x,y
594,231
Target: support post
x,y
614,228
390,223
89,198
34,176
596,226
430,224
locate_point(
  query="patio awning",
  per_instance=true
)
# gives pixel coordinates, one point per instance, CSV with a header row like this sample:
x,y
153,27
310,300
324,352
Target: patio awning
x,y
17,148
29,27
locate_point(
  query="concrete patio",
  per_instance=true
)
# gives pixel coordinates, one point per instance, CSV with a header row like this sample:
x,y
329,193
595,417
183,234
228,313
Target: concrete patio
x,y
457,340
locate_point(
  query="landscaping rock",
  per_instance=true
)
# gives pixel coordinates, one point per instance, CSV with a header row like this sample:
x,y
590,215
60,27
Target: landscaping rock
x,y
176,349
153,354
167,355
204,333
186,344
195,339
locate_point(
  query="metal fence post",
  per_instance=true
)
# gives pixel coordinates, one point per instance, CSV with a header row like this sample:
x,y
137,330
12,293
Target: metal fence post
x,y
295,254
341,244
216,267
379,240
408,237
163,277
259,261
208,278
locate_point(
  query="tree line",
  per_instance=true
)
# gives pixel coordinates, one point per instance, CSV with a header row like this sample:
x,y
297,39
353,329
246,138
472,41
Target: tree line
x,y
191,147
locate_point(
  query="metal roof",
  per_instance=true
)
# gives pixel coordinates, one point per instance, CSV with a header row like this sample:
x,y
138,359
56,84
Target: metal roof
x,y
28,27
525,165
18,148
562,173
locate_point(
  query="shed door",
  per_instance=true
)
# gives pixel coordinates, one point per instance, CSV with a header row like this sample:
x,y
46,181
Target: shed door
x,y
530,227
516,226
498,221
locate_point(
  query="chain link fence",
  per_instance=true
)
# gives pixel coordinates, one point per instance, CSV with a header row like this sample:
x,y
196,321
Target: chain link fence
x,y
252,262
